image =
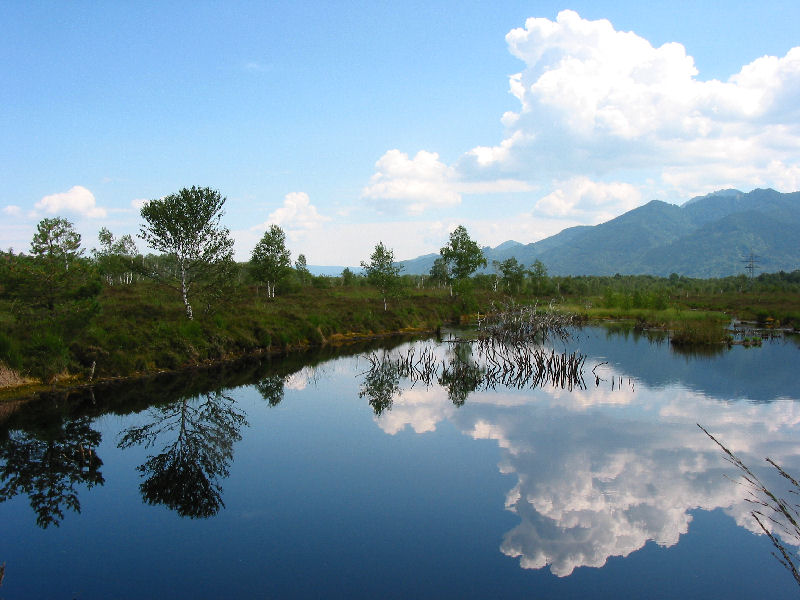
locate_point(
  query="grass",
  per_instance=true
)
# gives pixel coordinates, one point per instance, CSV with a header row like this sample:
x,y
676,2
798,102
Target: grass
x,y
142,328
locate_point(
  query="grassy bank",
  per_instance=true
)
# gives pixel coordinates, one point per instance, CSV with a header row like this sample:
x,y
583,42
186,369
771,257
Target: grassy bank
x,y
685,326
140,328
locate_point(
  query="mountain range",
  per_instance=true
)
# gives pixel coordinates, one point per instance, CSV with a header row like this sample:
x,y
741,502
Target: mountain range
x,y
708,236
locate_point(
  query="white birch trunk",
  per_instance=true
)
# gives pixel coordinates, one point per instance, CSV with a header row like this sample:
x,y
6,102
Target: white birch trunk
x,y
185,293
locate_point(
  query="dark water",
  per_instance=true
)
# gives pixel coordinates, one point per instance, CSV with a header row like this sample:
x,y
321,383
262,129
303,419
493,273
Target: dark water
x,y
321,477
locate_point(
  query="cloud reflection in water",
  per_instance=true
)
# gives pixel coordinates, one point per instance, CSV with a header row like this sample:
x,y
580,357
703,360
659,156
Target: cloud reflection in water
x,y
600,472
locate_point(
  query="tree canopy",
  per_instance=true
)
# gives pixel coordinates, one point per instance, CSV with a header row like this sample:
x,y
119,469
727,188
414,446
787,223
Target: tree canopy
x,y
381,270
513,273
56,239
187,226
116,258
270,261
462,254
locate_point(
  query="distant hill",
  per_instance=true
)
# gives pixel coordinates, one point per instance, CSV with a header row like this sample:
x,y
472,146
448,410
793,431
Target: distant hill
x,y
331,271
708,236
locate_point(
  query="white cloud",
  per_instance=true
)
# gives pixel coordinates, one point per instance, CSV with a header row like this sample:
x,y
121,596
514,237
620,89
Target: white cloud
x,y
591,483
595,102
299,380
296,216
12,210
605,121
420,182
301,222
138,203
77,200
588,201
424,182
254,66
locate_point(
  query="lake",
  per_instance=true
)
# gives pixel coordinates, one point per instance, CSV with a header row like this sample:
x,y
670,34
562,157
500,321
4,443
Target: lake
x,y
420,469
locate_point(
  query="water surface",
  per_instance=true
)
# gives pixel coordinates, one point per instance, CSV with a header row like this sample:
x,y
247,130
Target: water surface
x,y
324,477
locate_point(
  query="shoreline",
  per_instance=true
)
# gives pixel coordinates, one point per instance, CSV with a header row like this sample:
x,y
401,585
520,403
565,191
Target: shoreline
x,y
28,391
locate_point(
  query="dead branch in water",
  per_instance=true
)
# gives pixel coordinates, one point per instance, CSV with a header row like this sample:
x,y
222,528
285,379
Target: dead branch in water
x,y
515,324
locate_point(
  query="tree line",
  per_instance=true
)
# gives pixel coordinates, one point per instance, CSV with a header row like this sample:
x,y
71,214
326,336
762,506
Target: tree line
x,y
51,294
195,258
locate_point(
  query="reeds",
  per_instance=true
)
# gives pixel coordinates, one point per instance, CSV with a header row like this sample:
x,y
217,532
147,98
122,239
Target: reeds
x,y
779,513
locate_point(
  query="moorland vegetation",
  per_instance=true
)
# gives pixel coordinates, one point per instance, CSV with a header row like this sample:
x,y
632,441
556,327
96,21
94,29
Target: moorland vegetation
x,y
68,316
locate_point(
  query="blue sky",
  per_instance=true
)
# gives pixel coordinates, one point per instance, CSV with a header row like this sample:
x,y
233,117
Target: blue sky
x,y
351,123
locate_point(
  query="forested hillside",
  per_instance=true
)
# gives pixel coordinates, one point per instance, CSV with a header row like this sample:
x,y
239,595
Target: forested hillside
x,y
708,236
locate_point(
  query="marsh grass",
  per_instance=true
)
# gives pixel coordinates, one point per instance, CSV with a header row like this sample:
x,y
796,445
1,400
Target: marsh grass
x,y
142,328
136,328
699,333
777,517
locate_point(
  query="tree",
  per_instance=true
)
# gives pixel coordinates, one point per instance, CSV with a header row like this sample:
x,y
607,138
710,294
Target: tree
x,y
56,240
382,272
300,265
270,261
463,375
116,258
440,272
538,273
513,273
271,389
462,255
49,467
348,277
187,226
56,273
53,294
381,384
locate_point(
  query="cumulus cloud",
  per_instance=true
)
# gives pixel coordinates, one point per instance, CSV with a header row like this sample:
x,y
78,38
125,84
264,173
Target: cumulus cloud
x,y
590,486
12,210
588,201
419,182
596,101
76,200
606,121
297,215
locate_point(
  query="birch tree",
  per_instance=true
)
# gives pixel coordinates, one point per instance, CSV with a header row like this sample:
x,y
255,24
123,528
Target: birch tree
x,y
270,261
187,226
381,271
462,255
116,258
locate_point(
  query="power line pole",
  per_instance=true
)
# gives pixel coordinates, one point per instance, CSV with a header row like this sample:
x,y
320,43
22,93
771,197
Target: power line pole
x,y
751,264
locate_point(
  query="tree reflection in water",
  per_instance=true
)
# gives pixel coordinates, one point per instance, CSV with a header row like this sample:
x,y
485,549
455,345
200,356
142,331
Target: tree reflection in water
x,y
381,383
50,466
271,389
186,475
471,365
462,375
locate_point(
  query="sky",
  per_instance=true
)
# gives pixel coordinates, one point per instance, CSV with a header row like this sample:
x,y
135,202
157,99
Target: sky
x,y
353,123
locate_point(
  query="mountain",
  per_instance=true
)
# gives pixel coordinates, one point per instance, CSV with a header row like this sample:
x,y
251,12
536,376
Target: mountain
x,y
708,236
331,271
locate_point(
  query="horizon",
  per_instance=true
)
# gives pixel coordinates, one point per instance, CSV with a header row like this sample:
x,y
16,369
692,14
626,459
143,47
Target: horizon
x,y
391,123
